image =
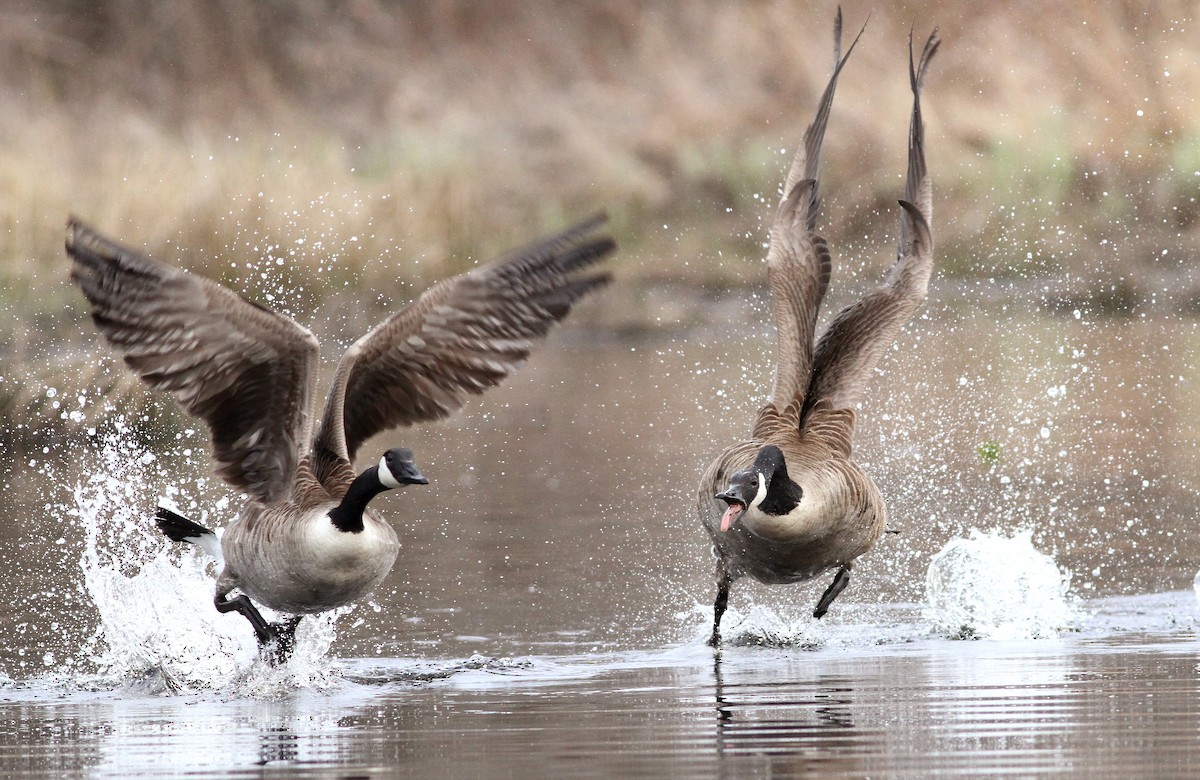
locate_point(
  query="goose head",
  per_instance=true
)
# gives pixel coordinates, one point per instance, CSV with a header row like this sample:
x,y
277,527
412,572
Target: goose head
x,y
397,468
765,487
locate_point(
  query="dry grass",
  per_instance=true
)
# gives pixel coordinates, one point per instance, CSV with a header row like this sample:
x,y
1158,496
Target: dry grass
x,y
304,147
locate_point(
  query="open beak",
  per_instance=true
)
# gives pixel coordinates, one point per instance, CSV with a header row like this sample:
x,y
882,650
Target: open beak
x,y
734,510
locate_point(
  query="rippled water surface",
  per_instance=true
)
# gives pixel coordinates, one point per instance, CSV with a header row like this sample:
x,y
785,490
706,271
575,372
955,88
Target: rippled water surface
x,y
547,614
1117,699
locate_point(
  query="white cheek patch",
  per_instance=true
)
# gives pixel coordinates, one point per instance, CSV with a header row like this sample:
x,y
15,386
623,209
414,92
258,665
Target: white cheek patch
x,y
386,477
762,491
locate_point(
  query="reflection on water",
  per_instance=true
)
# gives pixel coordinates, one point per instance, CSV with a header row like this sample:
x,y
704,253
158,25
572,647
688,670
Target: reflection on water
x,y
793,723
559,532
1117,699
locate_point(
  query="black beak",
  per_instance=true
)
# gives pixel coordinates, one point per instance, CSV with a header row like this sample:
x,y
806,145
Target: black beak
x,y
731,496
410,475
407,473
737,505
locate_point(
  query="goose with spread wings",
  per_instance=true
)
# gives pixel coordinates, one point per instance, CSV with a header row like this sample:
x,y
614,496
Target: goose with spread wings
x,y
790,503
305,540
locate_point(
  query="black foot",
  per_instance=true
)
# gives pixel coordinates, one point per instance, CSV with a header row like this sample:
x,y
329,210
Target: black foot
x,y
724,582
242,604
840,581
283,641
276,641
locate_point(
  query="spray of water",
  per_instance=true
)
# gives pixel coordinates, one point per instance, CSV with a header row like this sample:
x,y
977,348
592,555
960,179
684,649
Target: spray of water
x,y
988,585
993,586
156,623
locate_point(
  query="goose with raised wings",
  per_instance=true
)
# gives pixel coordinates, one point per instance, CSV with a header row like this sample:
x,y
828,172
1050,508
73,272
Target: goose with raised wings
x,y
305,540
790,503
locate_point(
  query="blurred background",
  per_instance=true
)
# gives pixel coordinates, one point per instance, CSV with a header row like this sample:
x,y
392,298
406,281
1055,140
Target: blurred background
x,y
414,138
331,159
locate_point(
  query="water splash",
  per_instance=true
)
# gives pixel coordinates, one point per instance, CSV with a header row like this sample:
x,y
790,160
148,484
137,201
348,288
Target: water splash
x,y
157,627
992,586
471,670
854,627
764,627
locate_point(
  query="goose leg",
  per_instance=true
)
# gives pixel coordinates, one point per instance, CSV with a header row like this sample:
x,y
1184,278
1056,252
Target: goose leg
x,y
276,640
724,582
284,635
840,581
242,604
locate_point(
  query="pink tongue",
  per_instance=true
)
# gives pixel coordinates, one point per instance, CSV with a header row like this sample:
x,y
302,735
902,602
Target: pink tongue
x,y
730,515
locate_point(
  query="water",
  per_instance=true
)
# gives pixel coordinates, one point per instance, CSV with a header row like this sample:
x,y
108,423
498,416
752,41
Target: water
x,y
1117,698
547,614
993,586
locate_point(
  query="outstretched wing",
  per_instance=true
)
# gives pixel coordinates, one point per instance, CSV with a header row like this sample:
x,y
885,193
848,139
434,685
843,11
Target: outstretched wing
x,y
462,336
243,369
798,261
857,337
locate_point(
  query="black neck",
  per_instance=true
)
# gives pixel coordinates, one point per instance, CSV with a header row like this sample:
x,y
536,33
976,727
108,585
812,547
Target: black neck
x,y
783,495
348,515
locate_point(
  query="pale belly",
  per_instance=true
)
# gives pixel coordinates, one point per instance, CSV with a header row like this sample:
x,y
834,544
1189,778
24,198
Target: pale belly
x,y
308,566
778,552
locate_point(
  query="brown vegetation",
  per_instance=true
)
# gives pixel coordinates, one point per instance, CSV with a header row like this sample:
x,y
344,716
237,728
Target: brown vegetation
x,y
307,145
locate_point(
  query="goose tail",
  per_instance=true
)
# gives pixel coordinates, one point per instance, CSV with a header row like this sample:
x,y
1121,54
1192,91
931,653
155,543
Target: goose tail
x,y
178,528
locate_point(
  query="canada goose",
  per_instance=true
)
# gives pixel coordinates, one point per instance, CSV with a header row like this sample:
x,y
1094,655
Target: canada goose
x,y
305,541
790,504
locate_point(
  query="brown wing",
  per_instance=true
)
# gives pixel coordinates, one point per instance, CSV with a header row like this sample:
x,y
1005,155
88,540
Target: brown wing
x,y
243,369
918,189
798,262
831,428
462,336
857,337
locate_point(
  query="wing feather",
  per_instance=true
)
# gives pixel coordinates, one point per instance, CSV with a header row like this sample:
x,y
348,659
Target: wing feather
x,y
243,369
798,260
853,343
461,337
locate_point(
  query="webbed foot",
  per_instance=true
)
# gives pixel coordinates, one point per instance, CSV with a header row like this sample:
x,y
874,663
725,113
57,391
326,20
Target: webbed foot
x,y
276,641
